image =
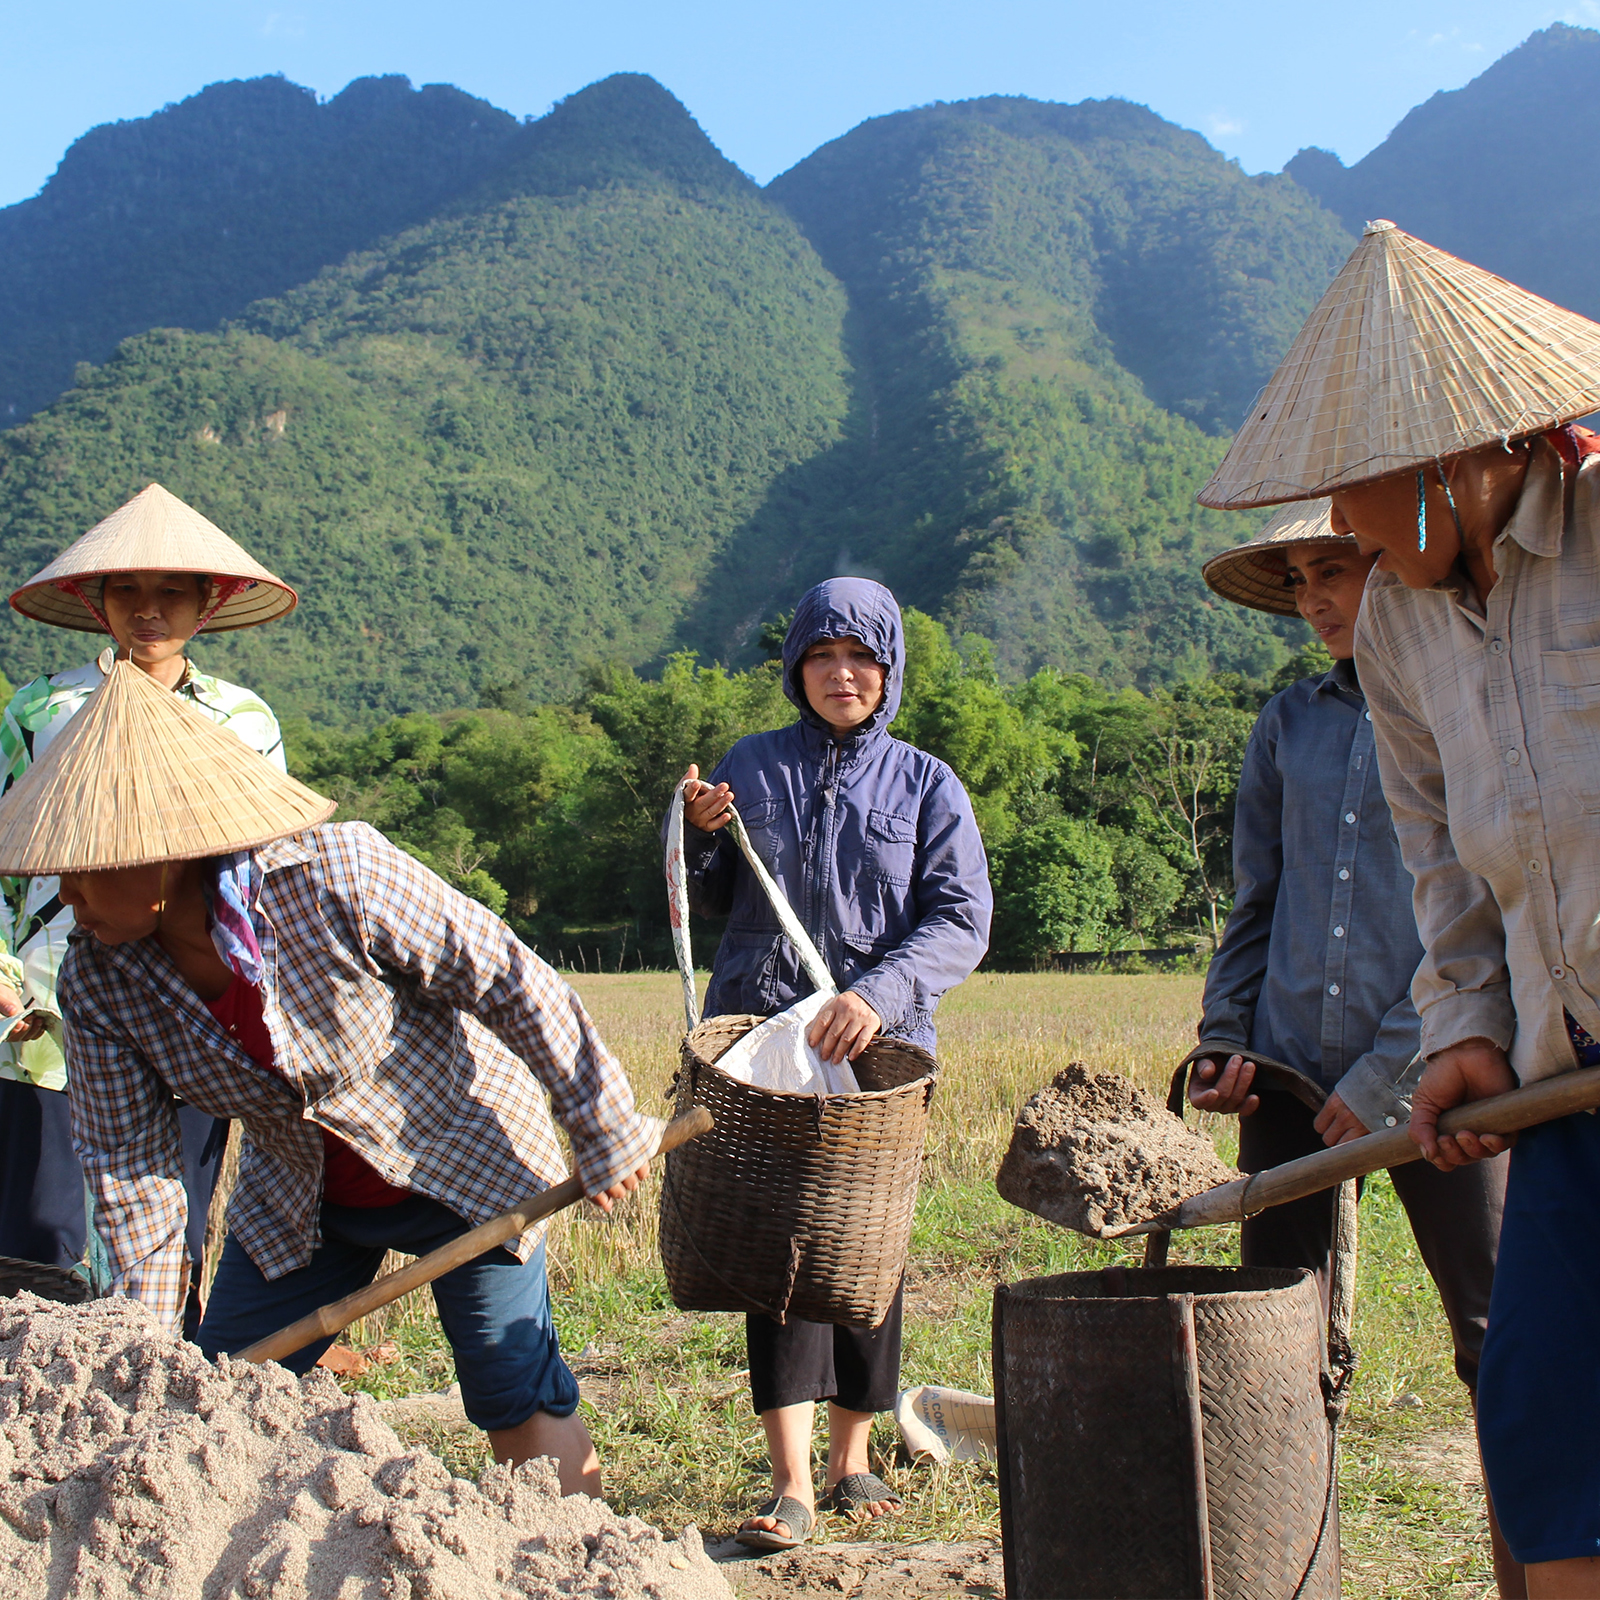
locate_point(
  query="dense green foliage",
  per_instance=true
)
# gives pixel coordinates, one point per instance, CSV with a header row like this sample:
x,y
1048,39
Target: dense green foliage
x,y
551,814
502,449
243,190
609,400
1484,171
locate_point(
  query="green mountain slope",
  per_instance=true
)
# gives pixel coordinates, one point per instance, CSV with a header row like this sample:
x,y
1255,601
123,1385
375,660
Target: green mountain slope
x,y
1493,171
610,399
1054,310
243,190
502,446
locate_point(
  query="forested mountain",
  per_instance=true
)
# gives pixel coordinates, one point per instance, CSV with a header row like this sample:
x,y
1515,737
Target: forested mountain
x,y
1055,310
503,445
1494,172
609,398
243,190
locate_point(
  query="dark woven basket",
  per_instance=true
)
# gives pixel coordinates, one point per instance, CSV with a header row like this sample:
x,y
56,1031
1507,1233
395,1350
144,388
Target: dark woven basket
x,y
1163,1433
795,1205
49,1283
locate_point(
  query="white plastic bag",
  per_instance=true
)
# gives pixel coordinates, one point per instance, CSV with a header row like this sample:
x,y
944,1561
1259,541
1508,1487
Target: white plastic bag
x,y
775,1055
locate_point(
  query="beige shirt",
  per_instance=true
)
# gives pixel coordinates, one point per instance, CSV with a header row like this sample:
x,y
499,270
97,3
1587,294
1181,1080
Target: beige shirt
x,y
1488,726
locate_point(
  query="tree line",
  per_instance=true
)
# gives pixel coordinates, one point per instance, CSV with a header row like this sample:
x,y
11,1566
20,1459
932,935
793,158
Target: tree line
x,y
1106,813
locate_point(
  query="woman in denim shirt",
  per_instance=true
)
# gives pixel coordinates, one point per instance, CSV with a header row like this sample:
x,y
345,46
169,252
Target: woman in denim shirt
x,y
1315,965
874,844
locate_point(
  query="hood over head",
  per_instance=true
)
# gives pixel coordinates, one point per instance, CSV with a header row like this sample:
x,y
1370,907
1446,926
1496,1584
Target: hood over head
x,y
845,608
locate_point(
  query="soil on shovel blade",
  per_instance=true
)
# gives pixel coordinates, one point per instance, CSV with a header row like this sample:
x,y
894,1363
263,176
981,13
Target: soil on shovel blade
x,y
1094,1152
132,1466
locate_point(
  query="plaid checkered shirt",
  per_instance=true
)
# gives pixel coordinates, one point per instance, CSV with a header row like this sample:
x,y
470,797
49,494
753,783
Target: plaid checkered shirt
x,y
405,1018
1488,731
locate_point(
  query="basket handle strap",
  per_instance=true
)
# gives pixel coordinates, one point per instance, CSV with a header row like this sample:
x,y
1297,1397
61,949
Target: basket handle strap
x,y
678,898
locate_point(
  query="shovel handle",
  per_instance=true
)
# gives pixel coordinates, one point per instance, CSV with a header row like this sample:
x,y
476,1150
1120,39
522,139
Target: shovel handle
x,y
331,1319
1390,1147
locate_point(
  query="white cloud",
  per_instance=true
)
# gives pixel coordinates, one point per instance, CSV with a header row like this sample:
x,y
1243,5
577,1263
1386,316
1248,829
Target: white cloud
x,y
1221,126
283,25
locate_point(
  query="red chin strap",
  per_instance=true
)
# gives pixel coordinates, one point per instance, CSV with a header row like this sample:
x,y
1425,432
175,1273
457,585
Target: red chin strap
x,y
227,588
72,587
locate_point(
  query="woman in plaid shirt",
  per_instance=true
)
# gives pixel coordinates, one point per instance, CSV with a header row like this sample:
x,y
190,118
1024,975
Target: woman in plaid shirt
x,y
386,1044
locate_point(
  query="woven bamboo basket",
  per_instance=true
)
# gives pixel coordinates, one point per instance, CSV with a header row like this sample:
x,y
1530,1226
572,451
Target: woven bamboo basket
x,y
1166,1432
794,1205
49,1283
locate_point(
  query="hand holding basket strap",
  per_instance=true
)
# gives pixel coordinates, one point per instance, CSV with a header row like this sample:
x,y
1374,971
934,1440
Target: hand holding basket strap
x,y
678,903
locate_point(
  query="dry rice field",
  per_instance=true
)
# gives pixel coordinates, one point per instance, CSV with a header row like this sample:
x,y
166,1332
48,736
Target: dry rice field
x,y
664,1390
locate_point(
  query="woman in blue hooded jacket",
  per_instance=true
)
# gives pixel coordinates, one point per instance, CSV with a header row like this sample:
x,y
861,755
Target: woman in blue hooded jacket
x,y
874,844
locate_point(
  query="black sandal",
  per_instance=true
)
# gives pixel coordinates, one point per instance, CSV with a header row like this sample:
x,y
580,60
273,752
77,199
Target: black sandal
x,y
854,1493
791,1514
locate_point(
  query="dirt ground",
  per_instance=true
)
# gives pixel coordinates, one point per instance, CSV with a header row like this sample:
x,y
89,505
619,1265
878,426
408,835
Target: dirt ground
x,y
871,1571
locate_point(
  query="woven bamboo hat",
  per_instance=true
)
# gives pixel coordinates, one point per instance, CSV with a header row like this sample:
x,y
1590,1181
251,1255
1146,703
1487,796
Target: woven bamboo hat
x,y
136,777
1410,356
156,532
1254,574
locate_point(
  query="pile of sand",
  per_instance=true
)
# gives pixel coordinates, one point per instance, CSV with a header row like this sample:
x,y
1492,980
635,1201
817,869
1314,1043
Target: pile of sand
x,y
1093,1152
130,1465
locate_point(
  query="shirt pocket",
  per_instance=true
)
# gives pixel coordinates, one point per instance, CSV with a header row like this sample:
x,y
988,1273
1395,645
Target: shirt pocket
x,y
1570,709
762,819
891,846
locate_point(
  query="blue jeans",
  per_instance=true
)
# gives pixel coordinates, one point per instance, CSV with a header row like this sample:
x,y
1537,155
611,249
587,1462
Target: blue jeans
x,y
1539,1385
495,1310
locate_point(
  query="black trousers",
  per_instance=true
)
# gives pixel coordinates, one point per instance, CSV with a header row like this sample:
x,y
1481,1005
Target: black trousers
x,y
857,1368
42,1211
1455,1218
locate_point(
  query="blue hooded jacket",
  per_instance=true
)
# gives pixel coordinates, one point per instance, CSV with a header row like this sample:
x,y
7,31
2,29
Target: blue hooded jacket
x,y
872,840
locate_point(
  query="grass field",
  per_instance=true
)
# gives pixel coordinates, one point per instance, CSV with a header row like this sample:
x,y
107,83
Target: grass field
x,y
664,1390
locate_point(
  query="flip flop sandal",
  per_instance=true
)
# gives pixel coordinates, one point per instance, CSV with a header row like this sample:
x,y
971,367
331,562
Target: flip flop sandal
x,y
791,1513
854,1493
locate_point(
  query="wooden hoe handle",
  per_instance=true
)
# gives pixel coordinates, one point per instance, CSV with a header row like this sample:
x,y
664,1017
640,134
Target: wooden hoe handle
x,y
335,1318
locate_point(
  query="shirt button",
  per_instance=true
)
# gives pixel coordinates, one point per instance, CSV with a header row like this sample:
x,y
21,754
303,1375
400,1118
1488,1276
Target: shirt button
x,y
1344,874
1338,933
1498,646
1558,972
1349,816
1367,715
1533,866
1389,1122
1333,988
1513,757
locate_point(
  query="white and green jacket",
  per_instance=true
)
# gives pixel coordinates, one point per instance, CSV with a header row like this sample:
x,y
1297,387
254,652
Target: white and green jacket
x,y
33,923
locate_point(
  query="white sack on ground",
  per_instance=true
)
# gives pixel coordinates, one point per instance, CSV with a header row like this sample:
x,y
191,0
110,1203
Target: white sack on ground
x,y
938,1424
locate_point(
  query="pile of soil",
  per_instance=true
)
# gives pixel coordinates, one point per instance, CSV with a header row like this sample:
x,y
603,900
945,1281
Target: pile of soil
x,y
1094,1152
130,1465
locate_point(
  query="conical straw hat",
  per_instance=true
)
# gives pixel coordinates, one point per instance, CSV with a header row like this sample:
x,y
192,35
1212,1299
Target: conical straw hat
x,y
1410,356
156,532
137,776
1253,573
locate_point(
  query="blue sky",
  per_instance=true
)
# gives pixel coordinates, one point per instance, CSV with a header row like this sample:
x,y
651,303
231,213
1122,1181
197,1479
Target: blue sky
x,y
770,82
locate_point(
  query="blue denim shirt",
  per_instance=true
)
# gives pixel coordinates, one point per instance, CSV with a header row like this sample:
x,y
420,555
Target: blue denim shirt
x,y
1315,965
872,841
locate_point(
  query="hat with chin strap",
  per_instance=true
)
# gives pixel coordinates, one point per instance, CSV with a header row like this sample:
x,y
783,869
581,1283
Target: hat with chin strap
x,y
1411,356
155,532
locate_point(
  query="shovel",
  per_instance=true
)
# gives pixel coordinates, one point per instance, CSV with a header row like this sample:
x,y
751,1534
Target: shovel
x,y
332,1319
1392,1147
